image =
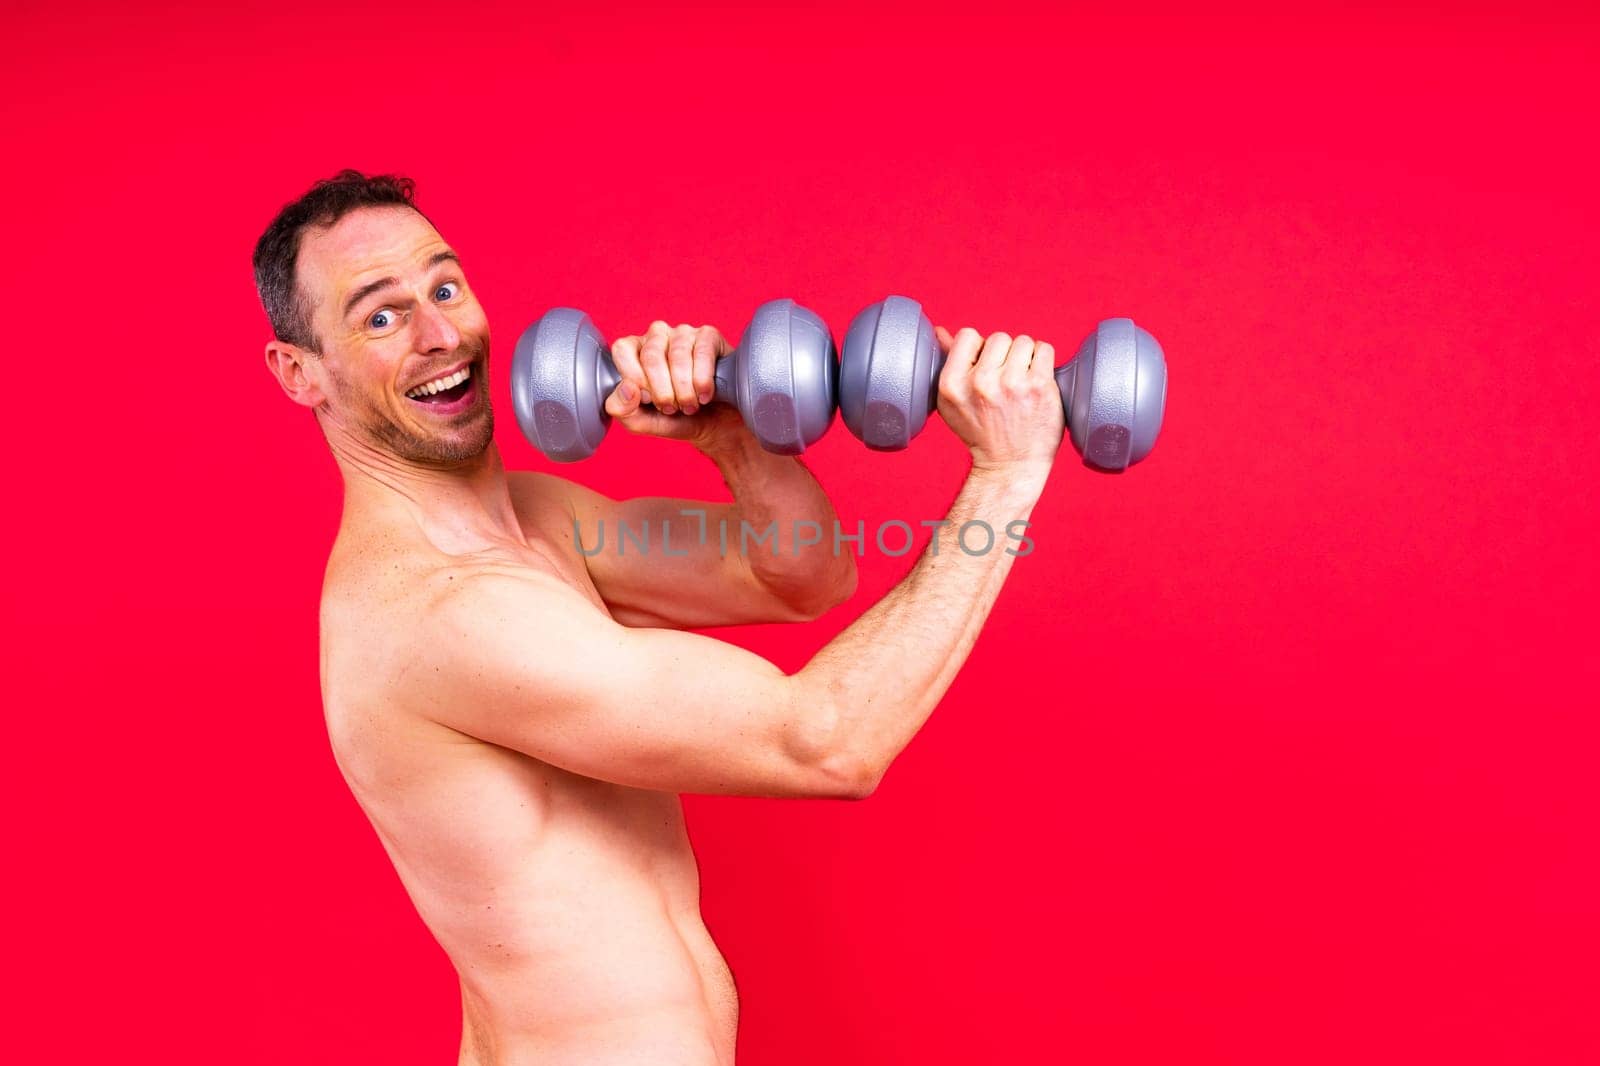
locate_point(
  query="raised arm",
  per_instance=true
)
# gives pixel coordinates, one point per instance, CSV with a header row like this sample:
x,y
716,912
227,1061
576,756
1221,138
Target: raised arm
x,y
525,662
522,661
791,572
696,569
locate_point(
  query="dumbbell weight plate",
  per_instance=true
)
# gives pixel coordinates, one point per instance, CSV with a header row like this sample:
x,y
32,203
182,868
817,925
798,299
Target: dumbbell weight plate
x,y
889,373
1115,394
561,374
784,378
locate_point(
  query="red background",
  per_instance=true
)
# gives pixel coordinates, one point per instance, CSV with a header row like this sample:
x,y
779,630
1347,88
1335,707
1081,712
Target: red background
x,y
1281,747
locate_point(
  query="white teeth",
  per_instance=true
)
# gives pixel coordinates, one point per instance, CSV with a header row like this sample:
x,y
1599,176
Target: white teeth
x,y
440,384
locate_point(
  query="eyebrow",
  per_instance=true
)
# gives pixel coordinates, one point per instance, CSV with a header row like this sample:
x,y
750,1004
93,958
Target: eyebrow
x,y
446,256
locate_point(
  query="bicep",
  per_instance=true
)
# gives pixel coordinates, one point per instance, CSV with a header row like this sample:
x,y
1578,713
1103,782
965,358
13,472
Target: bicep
x,y
663,561
534,667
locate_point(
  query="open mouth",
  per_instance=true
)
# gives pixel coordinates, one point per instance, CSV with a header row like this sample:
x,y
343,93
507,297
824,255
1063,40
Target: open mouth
x,y
445,391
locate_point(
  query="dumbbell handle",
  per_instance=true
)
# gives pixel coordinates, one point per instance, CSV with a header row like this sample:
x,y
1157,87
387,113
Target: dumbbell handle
x,y
608,378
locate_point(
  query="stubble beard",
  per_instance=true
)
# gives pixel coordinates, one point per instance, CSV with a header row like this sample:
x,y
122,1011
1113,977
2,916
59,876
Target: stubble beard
x,y
468,435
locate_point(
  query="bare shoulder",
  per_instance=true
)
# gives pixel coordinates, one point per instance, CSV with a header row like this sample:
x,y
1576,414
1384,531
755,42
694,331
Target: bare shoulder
x,y
407,632
553,510
540,497
383,612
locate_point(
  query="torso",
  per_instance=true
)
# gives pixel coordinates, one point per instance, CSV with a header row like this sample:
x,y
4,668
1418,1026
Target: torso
x,y
569,906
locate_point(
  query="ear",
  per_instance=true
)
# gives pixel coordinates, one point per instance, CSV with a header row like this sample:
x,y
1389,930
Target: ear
x,y
297,371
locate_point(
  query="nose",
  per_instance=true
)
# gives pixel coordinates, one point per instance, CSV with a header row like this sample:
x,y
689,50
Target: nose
x,y
432,329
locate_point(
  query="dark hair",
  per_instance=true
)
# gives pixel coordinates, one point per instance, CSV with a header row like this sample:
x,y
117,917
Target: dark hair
x,y
327,202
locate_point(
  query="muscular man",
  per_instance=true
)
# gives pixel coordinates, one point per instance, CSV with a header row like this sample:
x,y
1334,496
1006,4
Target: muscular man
x,y
518,718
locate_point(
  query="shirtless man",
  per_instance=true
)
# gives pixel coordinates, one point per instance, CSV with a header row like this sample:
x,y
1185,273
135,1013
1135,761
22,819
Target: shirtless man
x,y
516,719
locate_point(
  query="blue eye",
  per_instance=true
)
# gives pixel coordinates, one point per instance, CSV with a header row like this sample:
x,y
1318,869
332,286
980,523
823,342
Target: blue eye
x,y
380,320
448,291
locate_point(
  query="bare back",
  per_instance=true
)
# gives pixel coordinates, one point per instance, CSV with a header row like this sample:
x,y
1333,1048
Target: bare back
x,y
569,906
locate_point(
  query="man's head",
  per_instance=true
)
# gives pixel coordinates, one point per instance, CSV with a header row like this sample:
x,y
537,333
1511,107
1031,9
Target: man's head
x,y
371,313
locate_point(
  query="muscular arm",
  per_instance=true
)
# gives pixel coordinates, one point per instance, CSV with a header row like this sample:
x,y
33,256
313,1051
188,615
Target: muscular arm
x,y
698,571
880,679
520,660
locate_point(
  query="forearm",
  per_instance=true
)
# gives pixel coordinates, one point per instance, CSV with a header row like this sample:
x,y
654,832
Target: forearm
x,y
790,521
869,690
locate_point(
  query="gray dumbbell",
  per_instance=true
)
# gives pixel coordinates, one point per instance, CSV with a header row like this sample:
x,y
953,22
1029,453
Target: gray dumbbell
x,y
1114,390
783,377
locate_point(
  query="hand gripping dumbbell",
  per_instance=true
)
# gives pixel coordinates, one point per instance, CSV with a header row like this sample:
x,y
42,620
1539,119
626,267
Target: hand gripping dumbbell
x,y
1114,390
783,377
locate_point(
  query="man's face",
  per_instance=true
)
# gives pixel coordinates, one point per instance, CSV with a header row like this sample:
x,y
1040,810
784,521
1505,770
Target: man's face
x,y
397,324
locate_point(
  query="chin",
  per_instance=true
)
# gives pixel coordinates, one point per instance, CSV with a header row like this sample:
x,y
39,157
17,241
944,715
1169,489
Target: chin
x,y
458,444
467,443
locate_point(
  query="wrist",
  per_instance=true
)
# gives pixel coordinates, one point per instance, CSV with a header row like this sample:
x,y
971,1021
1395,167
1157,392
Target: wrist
x,y
1015,480
723,434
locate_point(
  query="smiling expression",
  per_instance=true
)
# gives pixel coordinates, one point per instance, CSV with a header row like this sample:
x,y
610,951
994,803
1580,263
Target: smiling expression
x,y
405,345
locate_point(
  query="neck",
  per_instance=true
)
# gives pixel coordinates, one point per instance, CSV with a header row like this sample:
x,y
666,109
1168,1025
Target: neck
x,y
459,507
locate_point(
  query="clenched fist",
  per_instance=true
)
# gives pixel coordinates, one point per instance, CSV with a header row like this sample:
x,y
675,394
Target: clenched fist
x,y
999,396
671,369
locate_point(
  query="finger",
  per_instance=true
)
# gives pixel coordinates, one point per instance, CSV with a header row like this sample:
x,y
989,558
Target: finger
x,y
942,335
708,346
993,356
986,371
1044,360
653,360
624,399
958,362
648,422
1018,360
680,366
625,357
